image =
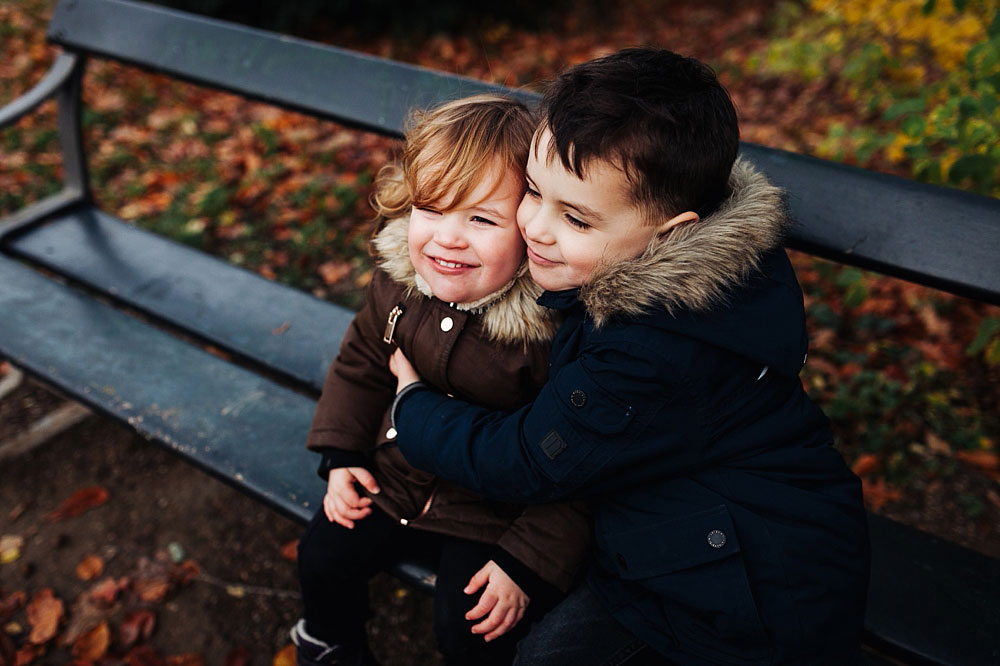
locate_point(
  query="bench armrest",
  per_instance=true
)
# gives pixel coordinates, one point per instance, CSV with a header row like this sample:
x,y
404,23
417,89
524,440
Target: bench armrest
x,y
57,76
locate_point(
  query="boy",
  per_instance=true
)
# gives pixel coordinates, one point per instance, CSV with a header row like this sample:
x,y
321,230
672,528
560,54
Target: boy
x,y
728,530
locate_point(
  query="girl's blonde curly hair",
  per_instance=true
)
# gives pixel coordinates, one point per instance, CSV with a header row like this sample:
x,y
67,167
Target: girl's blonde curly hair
x,y
450,149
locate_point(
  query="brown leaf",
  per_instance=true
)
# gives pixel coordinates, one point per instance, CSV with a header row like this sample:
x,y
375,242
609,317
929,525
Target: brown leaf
x,y
107,590
878,492
94,644
143,656
937,445
332,272
866,464
78,502
90,567
11,603
285,657
138,625
189,659
290,551
44,614
988,461
27,654
151,590
238,657
185,572
86,613
7,652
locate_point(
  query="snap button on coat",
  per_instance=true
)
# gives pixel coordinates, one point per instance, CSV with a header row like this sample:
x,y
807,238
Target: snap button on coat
x,y
390,433
447,324
716,538
578,398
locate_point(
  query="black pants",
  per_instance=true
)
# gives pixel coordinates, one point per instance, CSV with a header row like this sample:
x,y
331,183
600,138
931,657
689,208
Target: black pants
x,y
336,563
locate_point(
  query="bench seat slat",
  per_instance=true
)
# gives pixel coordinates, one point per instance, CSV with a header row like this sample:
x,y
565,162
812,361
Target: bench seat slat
x,y
284,329
235,424
353,88
923,589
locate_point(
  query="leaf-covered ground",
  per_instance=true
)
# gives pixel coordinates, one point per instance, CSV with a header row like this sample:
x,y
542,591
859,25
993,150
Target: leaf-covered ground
x,y
905,373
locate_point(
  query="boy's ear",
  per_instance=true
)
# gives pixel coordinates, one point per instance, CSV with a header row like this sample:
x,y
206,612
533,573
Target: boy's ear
x,y
676,221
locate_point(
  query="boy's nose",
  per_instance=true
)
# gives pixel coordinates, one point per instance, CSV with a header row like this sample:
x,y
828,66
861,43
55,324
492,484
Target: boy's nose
x,y
536,229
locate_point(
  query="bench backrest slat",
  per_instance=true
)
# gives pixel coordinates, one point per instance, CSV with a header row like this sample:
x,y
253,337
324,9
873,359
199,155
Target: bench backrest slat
x,y
355,89
931,235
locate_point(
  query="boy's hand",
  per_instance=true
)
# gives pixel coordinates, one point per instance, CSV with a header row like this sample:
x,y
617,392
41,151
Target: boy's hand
x,y
400,366
342,503
502,599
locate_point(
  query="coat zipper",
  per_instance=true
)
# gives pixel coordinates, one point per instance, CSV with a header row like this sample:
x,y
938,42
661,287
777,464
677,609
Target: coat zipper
x,y
390,324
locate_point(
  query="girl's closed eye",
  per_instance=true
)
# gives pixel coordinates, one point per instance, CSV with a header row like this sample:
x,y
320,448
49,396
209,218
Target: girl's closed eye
x,y
531,192
579,224
482,220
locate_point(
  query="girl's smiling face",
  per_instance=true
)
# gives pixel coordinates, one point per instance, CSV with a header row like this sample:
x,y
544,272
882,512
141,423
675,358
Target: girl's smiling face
x,y
469,249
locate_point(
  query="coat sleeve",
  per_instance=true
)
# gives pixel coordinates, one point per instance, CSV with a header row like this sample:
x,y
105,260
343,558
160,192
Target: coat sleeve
x,y
552,540
591,430
359,387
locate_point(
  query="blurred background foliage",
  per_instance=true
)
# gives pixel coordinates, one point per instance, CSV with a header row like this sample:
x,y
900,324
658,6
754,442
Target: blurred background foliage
x,y
909,376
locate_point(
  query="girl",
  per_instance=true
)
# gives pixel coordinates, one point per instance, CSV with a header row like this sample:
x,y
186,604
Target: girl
x,y
452,291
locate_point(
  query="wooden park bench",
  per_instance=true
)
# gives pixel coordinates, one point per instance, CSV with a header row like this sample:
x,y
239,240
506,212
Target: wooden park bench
x,y
119,318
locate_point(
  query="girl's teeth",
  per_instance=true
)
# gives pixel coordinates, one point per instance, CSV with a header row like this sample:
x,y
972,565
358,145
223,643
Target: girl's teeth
x,y
449,264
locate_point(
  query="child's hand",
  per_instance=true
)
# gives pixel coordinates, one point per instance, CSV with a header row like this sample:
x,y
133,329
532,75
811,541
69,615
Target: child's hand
x,y
502,599
400,366
342,504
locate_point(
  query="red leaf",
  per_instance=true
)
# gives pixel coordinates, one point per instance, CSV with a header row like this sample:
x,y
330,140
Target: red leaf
x,y
290,551
238,657
988,461
865,464
143,656
78,502
138,625
11,603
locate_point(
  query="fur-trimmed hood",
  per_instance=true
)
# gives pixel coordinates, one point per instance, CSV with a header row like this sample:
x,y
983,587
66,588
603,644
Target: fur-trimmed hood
x,y
508,317
695,264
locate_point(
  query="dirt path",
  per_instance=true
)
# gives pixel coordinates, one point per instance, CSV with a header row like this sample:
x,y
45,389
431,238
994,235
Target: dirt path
x,y
246,596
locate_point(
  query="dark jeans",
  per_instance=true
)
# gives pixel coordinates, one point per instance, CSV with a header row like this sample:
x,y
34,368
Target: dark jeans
x,y
580,632
336,563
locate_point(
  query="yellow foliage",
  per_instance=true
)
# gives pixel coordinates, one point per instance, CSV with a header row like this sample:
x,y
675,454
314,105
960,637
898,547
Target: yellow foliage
x,y
902,27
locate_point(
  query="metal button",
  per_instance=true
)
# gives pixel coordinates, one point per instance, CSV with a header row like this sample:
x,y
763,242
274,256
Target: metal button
x,y
621,561
390,433
578,398
447,324
716,539
404,522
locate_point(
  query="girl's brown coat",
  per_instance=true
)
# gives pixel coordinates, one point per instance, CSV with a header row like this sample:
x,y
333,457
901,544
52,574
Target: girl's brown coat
x,y
498,358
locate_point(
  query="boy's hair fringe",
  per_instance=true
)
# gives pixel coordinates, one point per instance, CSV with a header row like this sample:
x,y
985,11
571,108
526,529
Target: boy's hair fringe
x,y
663,119
449,151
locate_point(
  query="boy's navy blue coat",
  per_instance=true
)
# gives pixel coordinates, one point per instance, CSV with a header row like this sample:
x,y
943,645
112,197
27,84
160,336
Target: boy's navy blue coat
x,y
728,531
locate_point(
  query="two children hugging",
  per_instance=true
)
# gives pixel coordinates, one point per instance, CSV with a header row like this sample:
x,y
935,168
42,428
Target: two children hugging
x,y
727,530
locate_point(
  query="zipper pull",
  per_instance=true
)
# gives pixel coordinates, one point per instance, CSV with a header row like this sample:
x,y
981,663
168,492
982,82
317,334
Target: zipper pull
x,y
390,324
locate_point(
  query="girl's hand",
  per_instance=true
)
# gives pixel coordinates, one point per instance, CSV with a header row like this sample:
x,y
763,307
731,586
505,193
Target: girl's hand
x,y
342,503
405,374
502,599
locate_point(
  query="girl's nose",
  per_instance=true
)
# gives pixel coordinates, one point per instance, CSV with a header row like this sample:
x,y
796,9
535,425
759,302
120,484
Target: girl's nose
x,y
448,232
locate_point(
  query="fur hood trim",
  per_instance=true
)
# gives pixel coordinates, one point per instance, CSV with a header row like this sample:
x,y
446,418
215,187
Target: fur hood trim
x,y
511,315
694,265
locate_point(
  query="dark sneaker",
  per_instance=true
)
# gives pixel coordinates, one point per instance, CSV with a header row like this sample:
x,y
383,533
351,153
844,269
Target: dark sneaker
x,y
311,651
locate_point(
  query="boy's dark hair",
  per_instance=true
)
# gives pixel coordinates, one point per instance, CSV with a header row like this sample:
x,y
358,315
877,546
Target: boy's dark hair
x,y
662,118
